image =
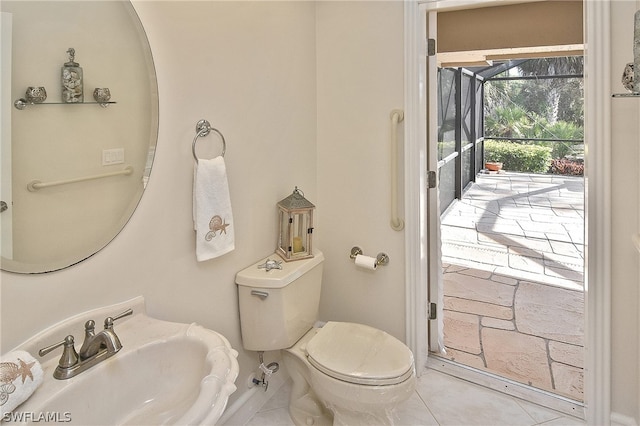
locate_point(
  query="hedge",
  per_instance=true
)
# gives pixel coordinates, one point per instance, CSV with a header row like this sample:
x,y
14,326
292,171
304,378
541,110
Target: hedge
x,y
517,157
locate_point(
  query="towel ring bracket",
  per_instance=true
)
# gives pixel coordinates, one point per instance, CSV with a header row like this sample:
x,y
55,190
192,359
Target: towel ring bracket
x,y
203,128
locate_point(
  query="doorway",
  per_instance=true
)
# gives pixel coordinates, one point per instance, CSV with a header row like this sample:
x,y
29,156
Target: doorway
x,y
513,239
423,259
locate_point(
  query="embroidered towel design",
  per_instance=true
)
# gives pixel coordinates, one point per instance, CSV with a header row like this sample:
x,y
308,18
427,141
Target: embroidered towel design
x,y
20,375
212,210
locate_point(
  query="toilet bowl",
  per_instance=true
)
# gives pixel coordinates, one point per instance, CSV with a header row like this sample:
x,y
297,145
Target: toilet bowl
x,y
358,373
342,373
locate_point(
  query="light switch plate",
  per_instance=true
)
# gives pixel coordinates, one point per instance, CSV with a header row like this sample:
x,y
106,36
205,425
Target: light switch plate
x,y
112,156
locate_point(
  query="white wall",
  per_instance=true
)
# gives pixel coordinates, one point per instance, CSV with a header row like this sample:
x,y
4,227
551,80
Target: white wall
x,y
625,265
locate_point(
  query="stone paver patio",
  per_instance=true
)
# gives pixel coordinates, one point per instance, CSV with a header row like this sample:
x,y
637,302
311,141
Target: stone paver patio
x,y
513,279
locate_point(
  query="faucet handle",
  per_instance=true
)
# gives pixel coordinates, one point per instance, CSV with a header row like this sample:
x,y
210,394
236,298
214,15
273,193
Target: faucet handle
x,y
69,355
108,322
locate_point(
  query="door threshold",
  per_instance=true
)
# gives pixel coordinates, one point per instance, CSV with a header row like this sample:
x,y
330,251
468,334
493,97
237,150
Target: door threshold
x,y
507,386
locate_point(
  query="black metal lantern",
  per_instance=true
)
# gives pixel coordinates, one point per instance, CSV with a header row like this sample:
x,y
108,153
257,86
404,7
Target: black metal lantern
x,y
296,227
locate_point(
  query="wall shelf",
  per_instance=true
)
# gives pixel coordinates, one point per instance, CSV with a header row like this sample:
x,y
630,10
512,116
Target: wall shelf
x,y
22,103
626,95
74,103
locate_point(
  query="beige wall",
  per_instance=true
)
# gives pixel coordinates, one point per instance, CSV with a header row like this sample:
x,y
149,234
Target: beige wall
x,y
360,80
625,175
291,115
545,23
249,68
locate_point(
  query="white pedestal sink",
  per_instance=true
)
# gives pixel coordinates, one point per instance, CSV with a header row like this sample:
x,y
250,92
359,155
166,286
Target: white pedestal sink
x,y
165,373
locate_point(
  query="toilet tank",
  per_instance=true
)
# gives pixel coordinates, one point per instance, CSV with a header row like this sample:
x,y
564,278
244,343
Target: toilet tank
x,y
277,307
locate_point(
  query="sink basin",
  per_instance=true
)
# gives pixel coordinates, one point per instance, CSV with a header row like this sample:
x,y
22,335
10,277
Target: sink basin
x,y
165,373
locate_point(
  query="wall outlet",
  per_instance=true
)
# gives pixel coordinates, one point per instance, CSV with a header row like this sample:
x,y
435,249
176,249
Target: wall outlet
x,y
112,156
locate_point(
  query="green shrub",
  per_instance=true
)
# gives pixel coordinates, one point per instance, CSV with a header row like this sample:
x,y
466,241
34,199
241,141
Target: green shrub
x,y
517,157
564,130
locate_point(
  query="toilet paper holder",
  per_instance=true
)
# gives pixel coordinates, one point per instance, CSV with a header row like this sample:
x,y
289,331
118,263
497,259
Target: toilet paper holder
x,y
381,258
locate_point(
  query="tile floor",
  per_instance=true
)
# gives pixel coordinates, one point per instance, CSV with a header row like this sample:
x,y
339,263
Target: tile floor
x,y
513,279
441,399
526,331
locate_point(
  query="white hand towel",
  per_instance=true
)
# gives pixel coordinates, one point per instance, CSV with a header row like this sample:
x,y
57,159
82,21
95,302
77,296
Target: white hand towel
x,y
212,209
20,375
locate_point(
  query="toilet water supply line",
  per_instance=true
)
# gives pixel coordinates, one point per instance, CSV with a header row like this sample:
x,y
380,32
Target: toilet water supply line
x,y
267,371
397,116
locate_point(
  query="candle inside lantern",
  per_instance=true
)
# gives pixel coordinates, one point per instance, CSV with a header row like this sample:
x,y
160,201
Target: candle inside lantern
x,y
297,245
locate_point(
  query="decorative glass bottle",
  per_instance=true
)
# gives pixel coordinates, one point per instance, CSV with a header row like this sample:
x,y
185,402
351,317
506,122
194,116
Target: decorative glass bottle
x,y
72,80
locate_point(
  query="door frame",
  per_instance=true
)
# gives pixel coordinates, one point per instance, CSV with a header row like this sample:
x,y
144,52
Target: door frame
x,y
419,263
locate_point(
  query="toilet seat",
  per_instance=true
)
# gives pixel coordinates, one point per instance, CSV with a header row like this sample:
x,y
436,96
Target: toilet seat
x,y
360,354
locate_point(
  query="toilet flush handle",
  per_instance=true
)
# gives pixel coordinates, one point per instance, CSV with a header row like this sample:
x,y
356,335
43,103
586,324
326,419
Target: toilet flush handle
x,y
261,294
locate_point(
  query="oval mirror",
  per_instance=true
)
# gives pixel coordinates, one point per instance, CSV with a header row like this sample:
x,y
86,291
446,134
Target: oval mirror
x,y
73,166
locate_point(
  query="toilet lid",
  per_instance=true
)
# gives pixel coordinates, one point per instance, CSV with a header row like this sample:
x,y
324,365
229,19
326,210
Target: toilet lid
x,y
360,354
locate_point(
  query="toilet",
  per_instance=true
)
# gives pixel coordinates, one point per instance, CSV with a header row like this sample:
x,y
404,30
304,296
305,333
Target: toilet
x,y
342,373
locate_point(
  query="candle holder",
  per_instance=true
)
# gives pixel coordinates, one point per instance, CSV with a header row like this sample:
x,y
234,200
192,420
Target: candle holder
x,y
102,96
628,77
35,95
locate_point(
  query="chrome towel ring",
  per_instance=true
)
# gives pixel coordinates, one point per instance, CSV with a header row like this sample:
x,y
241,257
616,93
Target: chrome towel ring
x,y
203,127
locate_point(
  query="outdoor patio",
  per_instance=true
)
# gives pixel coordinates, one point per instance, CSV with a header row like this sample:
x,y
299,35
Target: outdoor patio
x,y
513,279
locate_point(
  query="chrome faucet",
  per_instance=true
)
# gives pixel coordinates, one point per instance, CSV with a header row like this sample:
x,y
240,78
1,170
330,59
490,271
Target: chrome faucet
x,y
105,339
95,348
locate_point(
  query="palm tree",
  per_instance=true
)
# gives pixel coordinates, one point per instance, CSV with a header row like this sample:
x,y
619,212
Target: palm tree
x,y
572,65
508,122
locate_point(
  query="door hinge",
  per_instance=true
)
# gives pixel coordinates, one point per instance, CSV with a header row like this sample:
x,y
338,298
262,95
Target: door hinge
x,y
432,311
431,47
431,179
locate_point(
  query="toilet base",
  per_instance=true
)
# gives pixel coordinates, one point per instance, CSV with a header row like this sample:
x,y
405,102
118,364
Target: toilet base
x,y
305,407
318,399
